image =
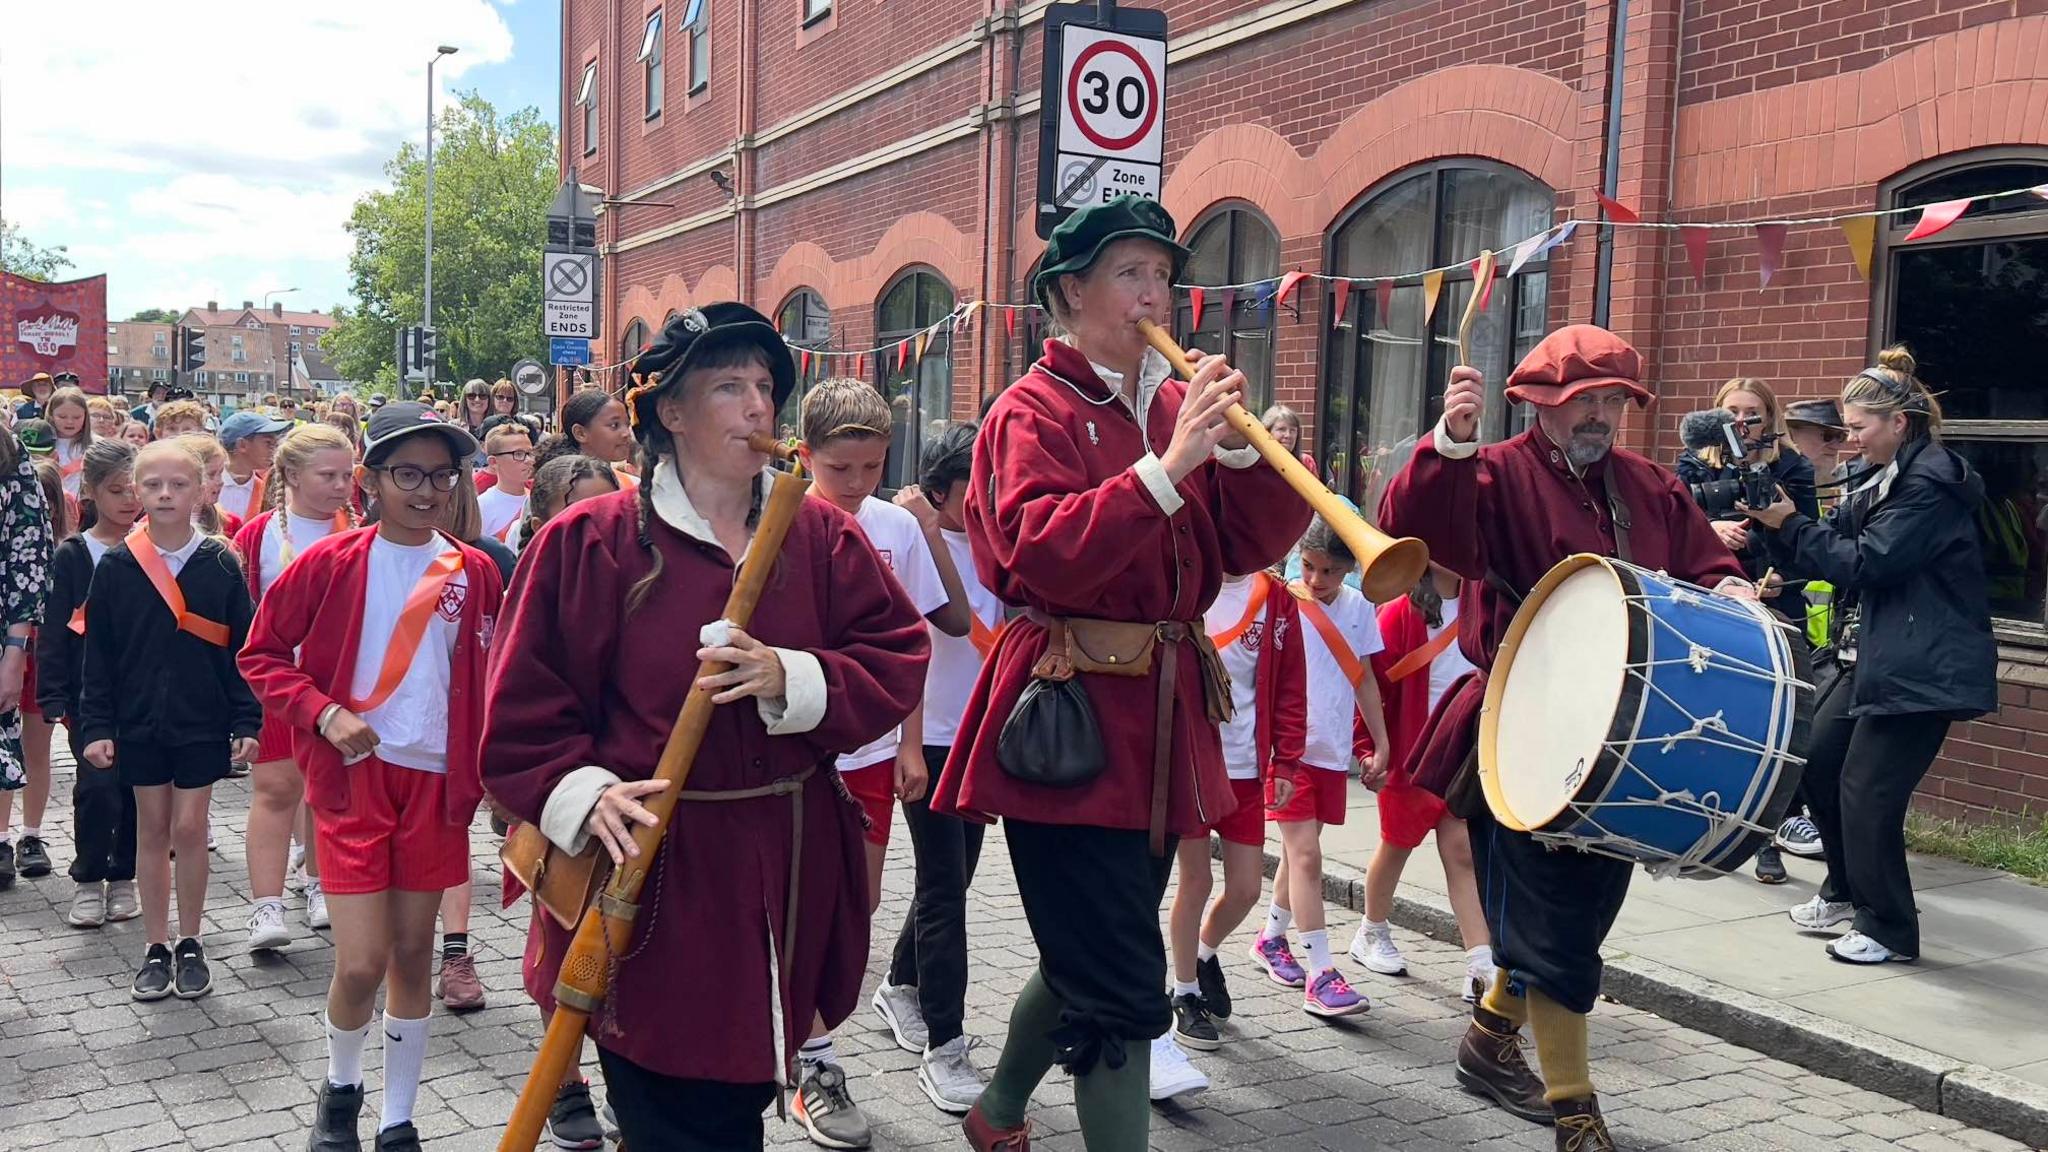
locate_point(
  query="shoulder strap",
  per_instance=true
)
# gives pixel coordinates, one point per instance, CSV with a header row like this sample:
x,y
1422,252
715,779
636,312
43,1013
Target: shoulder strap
x,y
1255,603
1617,509
1333,638
1426,655
152,563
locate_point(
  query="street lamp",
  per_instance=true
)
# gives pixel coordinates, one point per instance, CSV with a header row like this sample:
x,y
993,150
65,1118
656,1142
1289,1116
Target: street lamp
x,y
275,292
427,305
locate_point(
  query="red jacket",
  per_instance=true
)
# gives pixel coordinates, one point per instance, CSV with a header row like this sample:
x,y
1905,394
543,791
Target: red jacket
x,y
1280,691
316,608
1406,701
249,542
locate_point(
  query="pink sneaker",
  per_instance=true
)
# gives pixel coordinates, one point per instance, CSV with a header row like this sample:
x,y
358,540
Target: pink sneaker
x,y
1331,995
1281,967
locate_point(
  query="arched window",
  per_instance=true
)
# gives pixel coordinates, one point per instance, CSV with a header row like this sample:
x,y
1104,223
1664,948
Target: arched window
x,y
1384,375
920,393
1971,302
637,338
1233,246
806,323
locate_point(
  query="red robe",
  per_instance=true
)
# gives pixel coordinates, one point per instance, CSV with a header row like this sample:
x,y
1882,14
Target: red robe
x,y
1062,523
301,657
1515,509
577,682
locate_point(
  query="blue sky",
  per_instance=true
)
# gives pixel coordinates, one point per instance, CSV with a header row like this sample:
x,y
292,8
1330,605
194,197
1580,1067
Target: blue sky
x,y
218,160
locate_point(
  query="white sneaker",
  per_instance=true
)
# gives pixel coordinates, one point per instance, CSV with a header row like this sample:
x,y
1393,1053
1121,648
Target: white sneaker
x,y
1374,948
1479,972
88,905
1819,913
898,1008
1853,947
212,841
949,1078
266,926
122,902
316,904
1172,1074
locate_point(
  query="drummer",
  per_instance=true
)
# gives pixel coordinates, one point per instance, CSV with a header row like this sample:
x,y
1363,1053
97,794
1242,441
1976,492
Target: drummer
x,y
1501,516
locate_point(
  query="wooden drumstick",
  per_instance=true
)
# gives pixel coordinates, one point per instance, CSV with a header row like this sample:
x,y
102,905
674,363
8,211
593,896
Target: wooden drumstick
x,y
1479,283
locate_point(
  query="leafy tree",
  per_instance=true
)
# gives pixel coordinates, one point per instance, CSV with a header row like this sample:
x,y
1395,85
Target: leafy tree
x,y
155,316
493,179
23,258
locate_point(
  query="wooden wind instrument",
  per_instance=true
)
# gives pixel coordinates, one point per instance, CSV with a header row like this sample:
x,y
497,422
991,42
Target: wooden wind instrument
x,y
1387,567
605,927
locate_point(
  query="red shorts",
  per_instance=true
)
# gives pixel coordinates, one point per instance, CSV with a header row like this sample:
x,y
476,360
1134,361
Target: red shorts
x,y
875,787
273,741
1247,824
392,836
28,705
1319,794
1407,813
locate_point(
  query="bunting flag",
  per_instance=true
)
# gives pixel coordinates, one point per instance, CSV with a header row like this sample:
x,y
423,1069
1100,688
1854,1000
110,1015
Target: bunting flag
x,y
1558,240
1383,301
1485,287
1229,306
1861,233
1340,297
1617,211
803,363
1287,285
1195,296
1264,297
1526,251
1770,243
923,339
860,365
1432,287
1936,217
902,355
1696,252
1010,323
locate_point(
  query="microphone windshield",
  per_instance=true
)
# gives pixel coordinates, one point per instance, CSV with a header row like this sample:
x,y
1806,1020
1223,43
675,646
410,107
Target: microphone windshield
x,y
1697,430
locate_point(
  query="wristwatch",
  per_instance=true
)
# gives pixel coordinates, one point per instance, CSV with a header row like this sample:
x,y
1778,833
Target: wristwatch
x,y
20,642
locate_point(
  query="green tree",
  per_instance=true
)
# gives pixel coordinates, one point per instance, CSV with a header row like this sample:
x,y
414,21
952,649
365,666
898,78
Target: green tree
x,y
155,316
493,178
23,258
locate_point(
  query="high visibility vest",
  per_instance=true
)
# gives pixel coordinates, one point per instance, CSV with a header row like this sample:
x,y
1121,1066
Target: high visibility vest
x,y
1820,603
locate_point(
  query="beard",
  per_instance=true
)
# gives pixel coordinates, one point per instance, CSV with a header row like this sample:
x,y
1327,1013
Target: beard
x,y
1589,442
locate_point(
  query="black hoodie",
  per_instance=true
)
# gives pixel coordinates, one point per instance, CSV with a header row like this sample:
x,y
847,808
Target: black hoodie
x,y
1911,560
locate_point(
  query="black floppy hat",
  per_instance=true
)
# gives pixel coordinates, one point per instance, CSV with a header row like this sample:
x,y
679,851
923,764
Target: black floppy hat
x,y
689,337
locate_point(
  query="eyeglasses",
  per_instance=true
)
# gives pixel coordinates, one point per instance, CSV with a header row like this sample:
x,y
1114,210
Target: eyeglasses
x,y
523,455
409,478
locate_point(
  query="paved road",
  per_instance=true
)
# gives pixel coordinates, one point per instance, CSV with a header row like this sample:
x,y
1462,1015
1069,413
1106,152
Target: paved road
x,y
83,1068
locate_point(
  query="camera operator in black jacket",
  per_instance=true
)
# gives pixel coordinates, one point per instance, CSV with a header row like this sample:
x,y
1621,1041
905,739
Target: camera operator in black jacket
x,y
1719,477
1902,550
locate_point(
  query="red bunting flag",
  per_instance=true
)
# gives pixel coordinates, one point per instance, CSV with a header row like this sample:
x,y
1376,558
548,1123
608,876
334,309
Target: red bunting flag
x,y
1936,217
1485,288
902,354
1617,212
1287,284
803,362
1770,243
1695,239
1195,296
1010,323
1383,301
1341,296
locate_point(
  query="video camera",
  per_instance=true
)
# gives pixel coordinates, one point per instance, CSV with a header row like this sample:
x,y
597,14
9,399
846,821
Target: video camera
x,y
1753,485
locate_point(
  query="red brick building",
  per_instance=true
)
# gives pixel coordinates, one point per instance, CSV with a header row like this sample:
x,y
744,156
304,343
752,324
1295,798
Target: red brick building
x,y
857,168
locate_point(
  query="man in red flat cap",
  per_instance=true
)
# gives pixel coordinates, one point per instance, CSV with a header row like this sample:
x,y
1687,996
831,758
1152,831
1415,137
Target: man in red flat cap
x,y
1501,515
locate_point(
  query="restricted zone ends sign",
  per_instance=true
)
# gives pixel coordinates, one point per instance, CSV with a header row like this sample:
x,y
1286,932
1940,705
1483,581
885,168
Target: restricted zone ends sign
x,y
1102,120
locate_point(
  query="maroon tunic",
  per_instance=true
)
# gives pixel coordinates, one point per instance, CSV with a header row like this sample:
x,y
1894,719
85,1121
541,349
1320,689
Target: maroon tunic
x,y
576,682
1060,522
1515,509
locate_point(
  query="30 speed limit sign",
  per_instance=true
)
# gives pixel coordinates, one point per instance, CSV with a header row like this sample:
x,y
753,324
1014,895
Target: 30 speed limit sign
x,y
1108,100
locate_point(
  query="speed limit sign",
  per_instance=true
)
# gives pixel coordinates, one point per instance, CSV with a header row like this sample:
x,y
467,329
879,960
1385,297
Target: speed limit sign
x,y
1105,92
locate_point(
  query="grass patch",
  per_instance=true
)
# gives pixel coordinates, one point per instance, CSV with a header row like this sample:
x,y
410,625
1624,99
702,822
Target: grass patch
x,y
2019,847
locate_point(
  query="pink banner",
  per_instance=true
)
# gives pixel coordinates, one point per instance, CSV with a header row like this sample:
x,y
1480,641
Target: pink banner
x,y
53,328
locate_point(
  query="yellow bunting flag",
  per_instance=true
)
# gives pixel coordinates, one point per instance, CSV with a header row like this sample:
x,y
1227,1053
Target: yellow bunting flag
x,y
1432,287
1861,233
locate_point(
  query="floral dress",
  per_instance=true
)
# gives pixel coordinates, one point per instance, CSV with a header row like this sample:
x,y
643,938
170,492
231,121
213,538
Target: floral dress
x,y
25,547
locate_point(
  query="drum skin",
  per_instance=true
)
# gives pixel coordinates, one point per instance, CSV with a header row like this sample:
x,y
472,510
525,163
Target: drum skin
x,y
1642,717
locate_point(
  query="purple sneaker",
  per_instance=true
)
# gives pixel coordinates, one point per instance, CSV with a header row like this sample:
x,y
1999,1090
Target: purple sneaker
x,y
1332,995
1279,963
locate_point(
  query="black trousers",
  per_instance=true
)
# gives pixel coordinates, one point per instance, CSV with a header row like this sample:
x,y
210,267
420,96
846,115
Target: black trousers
x,y
931,950
1860,775
1549,909
671,1114
103,820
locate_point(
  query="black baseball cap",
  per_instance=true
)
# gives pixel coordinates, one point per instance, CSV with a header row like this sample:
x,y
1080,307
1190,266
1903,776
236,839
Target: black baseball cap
x,y
394,422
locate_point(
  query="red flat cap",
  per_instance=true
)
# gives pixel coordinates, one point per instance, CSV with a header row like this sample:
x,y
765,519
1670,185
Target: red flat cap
x,y
1573,359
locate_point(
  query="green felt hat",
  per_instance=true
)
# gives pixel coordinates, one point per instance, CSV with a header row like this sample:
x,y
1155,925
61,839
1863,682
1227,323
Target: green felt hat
x,y
1080,239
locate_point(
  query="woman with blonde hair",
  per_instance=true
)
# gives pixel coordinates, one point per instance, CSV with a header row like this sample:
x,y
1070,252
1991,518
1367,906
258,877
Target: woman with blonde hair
x,y
1907,564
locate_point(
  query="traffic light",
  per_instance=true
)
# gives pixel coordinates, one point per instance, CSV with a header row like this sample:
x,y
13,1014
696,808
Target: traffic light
x,y
190,354
430,351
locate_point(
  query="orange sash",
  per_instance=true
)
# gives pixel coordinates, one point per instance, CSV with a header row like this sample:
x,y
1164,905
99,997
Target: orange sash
x,y
77,465
420,605
1255,603
256,495
982,636
77,621
1426,655
144,550
1333,639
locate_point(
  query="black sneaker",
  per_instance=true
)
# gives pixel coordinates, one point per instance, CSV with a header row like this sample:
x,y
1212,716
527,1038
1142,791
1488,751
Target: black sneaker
x,y
32,856
6,865
334,1119
1215,992
1770,867
1192,1025
572,1122
194,980
154,981
400,1137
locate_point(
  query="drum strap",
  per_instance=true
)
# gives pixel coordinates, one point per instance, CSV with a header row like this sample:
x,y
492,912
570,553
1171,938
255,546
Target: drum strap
x,y
1617,509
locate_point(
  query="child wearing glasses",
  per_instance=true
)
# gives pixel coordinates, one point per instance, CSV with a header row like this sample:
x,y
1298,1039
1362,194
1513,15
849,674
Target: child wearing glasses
x,y
510,448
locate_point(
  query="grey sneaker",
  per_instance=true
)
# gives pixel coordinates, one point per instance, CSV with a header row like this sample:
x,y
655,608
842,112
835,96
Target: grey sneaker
x,y
950,1078
1800,837
1819,913
897,1006
122,902
572,1122
88,905
827,1111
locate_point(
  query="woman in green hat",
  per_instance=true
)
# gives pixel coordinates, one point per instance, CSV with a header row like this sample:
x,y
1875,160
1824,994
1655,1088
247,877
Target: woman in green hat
x,y
1109,501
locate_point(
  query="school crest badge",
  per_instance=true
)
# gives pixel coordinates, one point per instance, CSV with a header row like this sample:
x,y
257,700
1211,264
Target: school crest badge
x,y
453,597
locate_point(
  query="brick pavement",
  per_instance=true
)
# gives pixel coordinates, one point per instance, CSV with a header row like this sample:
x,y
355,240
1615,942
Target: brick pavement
x,y
83,1068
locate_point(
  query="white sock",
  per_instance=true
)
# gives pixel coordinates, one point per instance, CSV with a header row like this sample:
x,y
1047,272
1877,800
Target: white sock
x,y
275,900
815,1052
1203,952
26,830
345,1054
405,1051
1277,921
1191,988
1480,956
1318,945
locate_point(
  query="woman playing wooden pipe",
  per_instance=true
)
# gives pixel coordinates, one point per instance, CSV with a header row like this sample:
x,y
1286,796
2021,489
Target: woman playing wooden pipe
x,y
1109,501
596,659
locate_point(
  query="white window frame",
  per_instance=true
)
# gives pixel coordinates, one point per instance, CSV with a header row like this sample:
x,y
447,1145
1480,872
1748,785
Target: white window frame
x,y
816,10
698,19
653,55
586,97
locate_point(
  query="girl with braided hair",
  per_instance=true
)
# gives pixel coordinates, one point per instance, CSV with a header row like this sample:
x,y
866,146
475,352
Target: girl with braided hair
x,y
765,853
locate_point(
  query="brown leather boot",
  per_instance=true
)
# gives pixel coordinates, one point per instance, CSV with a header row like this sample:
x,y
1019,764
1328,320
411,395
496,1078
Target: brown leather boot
x,y
1490,1064
1580,1127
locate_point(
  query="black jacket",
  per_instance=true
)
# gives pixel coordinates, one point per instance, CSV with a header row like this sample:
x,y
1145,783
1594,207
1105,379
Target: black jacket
x,y
1794,473
60,652
1913,564
149,682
